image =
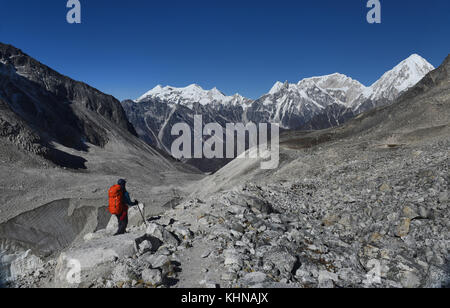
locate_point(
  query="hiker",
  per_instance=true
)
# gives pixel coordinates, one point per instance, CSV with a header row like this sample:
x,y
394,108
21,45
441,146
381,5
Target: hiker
x,y
119,201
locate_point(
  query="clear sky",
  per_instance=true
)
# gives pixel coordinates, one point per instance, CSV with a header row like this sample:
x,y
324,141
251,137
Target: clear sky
x,y
125,48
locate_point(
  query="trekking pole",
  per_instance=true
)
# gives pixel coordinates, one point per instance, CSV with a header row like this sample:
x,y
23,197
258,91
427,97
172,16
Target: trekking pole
x,y
143,218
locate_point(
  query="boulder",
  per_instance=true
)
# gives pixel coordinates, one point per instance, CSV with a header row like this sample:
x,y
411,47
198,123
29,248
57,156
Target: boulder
x,y
403,227
327,279
122,273
409,279
162,234
183,232
232,257
145,246
283,261
152,276
156,261
161,262
147,243
253,279
88,256
258,205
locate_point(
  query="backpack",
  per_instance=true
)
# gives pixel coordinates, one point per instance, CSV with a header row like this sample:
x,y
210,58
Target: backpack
x,y
116,200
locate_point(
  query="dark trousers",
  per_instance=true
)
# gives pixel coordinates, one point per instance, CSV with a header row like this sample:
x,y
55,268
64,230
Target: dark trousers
x,y
123,223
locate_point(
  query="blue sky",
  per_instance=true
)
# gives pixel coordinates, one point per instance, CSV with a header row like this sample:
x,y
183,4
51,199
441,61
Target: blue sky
x,y
125,48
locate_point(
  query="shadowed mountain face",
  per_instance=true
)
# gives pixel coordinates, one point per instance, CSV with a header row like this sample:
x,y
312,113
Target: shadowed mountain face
x,y
49,121
40,106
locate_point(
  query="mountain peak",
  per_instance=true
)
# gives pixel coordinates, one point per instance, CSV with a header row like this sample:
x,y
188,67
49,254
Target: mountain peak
x,y
446,61
416,58
278,86
190,95
194,86
402,77
415,62
334,75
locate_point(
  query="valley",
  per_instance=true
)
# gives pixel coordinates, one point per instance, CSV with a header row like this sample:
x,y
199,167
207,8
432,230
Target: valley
x,y
359,199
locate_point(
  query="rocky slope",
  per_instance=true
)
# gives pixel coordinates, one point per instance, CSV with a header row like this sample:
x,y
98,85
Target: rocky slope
x,y
362,205
62,145
313,103
55,106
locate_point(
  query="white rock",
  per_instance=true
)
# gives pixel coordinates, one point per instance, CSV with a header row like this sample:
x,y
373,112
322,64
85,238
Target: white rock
x,y
327,279
152,276
25,264
232,257
182,232
145,246
92,254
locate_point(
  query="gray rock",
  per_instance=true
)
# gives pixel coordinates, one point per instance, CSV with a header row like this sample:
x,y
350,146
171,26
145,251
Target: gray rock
x,y
152,276
443,197
327,279
282,260
252,279
183,232
122,273
237,227
229,276
409,280
233,257
403,228
25,264
145,246
162,234
155,261
258,205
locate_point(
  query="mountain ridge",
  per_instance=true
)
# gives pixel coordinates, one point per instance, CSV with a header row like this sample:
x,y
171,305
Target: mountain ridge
x,y
413,61
58,107
313,103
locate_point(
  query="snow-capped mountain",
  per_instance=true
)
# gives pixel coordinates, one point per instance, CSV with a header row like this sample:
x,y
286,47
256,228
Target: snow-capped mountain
x,y
405,75
343,88
351,93
293,106
393,83
190,95
312,103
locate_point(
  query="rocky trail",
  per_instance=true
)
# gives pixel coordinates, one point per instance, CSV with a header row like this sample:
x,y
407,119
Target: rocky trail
x,y
377,220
